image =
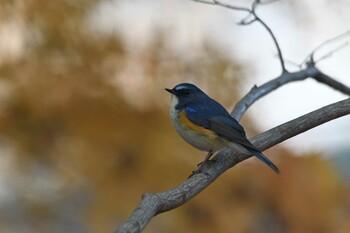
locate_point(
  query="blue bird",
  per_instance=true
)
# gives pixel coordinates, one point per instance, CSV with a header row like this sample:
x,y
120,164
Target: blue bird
x,y
206,125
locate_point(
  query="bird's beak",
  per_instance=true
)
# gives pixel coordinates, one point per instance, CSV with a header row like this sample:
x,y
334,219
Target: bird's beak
x,y
170,91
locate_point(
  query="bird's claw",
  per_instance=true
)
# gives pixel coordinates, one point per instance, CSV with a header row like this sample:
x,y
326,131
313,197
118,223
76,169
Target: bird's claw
x,y
200,166
203,162
195,172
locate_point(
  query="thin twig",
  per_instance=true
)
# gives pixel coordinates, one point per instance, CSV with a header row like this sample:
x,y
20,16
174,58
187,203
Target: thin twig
x,y
292,63
232,7
310,57
205,2
267,2
248,19
255,5
330,53
255,18
245,21
279,51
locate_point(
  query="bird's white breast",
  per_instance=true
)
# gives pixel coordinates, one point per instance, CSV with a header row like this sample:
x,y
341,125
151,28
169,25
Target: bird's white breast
x,y
173,113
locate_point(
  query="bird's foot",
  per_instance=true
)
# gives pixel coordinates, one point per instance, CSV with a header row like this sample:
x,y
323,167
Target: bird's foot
x,y
200,167
194,173
203,162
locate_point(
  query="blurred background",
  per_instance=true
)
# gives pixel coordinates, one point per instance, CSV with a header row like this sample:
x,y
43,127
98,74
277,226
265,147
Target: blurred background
x,y
85,129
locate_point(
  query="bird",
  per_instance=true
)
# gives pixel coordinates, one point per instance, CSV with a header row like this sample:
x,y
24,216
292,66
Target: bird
x,y
206,125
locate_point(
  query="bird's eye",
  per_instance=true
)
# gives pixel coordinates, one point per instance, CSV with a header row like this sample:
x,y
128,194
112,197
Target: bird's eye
x,y
186,92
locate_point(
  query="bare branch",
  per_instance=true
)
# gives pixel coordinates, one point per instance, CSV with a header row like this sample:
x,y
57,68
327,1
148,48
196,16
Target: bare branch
x,y
156,203
205,2
325,79
258,92
255,5
279,51
330,53
255,18
232,7
219,3
267,2
292,63
310,57
246,22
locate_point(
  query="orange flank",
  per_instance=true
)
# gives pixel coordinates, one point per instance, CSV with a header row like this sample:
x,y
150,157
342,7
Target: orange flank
x,y
199,129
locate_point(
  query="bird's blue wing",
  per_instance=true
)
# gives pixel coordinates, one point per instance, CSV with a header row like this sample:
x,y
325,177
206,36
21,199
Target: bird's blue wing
x,y
217,119
203,114
230,129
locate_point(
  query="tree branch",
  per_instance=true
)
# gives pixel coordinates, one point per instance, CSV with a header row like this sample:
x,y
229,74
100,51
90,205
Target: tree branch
x,y
258,92
325,79
156,203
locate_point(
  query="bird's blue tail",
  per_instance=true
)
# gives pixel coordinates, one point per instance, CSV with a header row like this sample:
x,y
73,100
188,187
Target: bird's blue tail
x,y
264,159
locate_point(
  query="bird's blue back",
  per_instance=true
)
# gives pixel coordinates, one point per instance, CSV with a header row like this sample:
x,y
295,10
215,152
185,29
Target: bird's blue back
x,y
207,111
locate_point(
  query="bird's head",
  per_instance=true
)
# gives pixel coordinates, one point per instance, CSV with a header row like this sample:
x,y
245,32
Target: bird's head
x,y
187,93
